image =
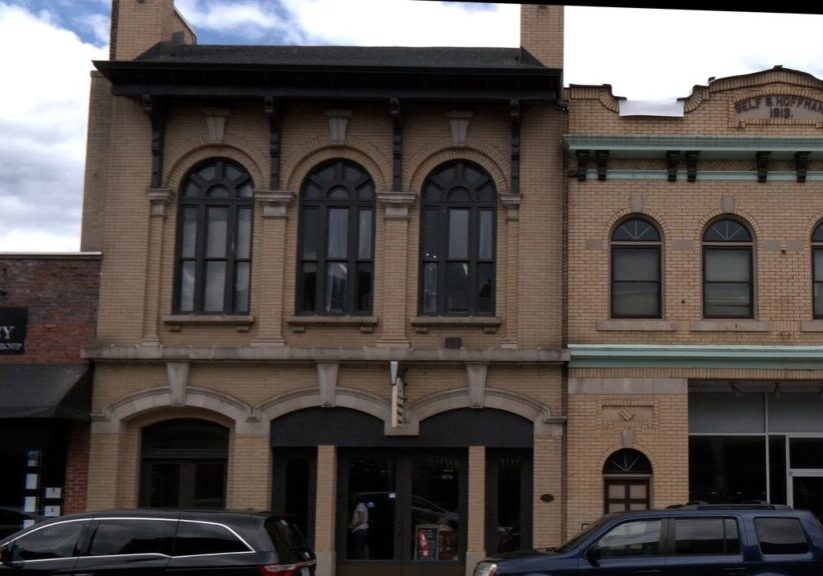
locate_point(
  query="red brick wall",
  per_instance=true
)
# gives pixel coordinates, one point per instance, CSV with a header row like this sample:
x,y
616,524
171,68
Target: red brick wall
x,y
60,293
77,469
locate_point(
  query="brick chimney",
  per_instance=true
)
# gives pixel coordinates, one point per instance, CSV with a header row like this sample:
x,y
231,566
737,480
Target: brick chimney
x,y
137,25
541,33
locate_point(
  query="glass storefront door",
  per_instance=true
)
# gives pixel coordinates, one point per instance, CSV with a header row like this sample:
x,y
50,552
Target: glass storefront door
x,y
805,474
402,514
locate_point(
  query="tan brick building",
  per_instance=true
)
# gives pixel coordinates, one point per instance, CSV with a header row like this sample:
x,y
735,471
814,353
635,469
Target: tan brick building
x,y
694,297
332,277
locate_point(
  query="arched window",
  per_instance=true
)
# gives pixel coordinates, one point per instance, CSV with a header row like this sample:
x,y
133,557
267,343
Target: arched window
x,y
626,481
817,270
336,245
457,242
728,288
214,239
635,270
184,464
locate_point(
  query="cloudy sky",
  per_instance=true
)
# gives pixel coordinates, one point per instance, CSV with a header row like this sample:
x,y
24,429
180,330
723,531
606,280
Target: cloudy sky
x,y
46,48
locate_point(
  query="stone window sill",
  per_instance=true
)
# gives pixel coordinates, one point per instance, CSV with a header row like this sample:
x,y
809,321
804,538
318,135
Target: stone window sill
x,y
299,323
811,326
730,326
489,324
636,325
175,322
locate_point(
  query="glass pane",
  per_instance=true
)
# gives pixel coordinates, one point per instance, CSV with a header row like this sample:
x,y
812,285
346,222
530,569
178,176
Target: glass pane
x,y
194,538
818,299
187,287
187,249
217,226
207,172
192,190
637,491
818,264
164,485
727,469
637,506
364,286
508,535
458,234
459,193
728,265
636,264
636,230
808,494
727,231
215,286
641,538
132,537
727,300
336,276
245,191
457,288
244,233
339,193
732,539
640,299
806,452
431,191
486,249
364,239
431,234
310,233
485,278
232,172
617,491
430,288
51,542
781,536
371,509
209,485
218,192
486,192
311,191
616,507
435,521
777,470
309,295
337,245
241,287
366,191
818,234
699,536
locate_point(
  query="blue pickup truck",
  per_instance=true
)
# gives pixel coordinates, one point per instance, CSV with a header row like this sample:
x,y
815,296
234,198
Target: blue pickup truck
x,y
689,540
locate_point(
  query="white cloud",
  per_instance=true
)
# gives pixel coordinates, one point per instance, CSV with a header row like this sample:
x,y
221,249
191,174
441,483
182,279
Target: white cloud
x,y
42,131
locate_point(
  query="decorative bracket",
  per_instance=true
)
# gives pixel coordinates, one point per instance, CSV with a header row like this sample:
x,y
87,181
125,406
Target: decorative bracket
x,y
396,204
338,126
158,113
275,127
762,159
582,164
672,161
602,164
476,383
801,165
459,124
692,157
159,198
397,144
177,374
216,119
511,202
275,203
327,383
514,114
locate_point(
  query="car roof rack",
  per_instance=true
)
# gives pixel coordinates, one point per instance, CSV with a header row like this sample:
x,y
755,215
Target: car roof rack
x,y
747,505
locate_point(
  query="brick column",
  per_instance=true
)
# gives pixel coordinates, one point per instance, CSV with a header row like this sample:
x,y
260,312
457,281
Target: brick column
x,y
159,199
475,520
326,508
548,473
248,484
271,271
104,452
395,258
77,469
512,250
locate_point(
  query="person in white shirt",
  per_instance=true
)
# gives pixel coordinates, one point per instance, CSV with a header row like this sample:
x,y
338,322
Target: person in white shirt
x,y
359,527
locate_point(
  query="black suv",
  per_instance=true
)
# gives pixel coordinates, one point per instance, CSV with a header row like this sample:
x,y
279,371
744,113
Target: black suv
x,y
691,540
156,542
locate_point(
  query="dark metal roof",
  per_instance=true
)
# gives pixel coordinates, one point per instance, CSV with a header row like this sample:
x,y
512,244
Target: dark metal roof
x,y
335,73
347,56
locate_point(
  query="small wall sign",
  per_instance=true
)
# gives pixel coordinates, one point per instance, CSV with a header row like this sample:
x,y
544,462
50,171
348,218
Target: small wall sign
x,y
13,324
779,109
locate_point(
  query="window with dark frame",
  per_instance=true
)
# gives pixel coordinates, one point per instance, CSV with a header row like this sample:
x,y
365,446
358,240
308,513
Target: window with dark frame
x,y
817,271
336,247
626,481
635,270
214,239
457,241
728,287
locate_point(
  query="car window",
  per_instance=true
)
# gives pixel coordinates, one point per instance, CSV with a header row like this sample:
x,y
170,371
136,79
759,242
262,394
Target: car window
x,y
287,540
195,538
132,536
705,536
638,538
781,536
54,541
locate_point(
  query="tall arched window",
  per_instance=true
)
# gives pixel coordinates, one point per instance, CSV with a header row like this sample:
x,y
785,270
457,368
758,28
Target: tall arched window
x,y
728,287
457,241
635,290
626,481
336,245
214,239
817,270
184,464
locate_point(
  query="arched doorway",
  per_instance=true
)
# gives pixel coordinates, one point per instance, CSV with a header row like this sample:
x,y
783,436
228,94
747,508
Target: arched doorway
x,y
183,464
627,475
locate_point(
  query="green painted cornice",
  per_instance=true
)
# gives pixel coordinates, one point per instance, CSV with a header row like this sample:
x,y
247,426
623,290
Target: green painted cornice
x,y
707,356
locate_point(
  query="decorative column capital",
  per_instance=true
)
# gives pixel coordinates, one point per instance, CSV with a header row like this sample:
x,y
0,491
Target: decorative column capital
x,y
397,204
159,198
275,203
511,202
